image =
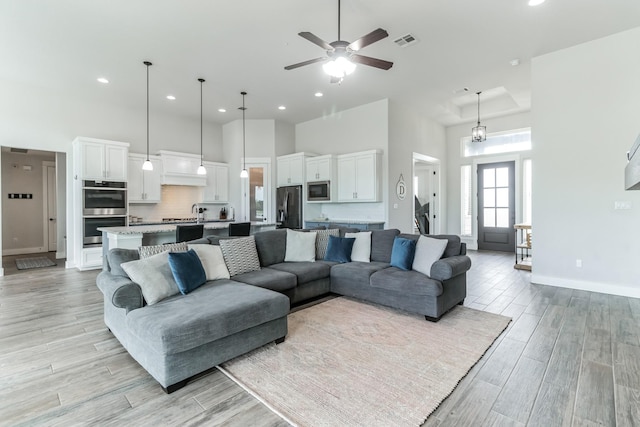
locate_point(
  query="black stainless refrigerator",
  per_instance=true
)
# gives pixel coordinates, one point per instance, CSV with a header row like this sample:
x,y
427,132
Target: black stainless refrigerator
x,y
289,204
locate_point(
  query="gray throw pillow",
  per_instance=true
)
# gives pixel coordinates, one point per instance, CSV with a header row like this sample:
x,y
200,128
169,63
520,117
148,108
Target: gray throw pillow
x,y
154,276
240,255
147,251
322,241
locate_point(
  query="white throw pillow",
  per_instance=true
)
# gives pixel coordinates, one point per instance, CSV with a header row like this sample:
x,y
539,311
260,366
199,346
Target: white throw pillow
x,y
428,251
361,247
212,261
301,246
154,276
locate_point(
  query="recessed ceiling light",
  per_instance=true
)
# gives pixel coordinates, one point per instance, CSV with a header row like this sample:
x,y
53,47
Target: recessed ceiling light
x,y
514,62
535,2
103,80
319,94
222,110
171,97
282,107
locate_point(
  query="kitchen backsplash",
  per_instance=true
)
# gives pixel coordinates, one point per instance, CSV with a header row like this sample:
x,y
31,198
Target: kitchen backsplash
x,y
356,211
176,203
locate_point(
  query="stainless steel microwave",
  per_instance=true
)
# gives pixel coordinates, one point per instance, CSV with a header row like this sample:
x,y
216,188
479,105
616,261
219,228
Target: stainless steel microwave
x,y
319,191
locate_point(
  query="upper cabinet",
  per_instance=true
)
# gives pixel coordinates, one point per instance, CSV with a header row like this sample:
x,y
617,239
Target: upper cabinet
x,y
320,168
144,186
103,160
291,169
181,169
359,177
217,189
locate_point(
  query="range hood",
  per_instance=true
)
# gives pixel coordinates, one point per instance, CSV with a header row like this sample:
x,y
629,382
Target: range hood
x,y
632,171
180,169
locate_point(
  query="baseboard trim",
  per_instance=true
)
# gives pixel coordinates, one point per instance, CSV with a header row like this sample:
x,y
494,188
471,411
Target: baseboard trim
x,y
23,251
584,285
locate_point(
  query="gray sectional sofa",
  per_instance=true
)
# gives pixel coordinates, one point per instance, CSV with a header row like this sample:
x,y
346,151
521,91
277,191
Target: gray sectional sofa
x,y
184,335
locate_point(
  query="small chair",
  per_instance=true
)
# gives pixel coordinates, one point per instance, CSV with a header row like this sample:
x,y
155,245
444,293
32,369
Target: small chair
x,y
185,233
239,228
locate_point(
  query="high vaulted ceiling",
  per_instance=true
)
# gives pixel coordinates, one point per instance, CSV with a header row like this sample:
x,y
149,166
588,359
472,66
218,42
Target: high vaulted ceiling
x,y
64,45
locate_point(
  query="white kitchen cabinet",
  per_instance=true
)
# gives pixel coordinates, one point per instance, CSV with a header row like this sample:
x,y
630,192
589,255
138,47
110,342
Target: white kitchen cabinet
x,y
320,168
359,177
291,169
103,160
144,186
217,189
181,169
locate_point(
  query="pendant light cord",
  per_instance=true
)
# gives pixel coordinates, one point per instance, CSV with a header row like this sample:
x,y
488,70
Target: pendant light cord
x,y
339,20
244,139
147,63
201,81
478,93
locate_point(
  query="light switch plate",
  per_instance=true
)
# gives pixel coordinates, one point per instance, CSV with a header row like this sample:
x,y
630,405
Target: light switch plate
x,y
622,204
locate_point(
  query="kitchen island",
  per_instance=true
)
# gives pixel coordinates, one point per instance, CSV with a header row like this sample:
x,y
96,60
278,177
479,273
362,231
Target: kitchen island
x,y
134,236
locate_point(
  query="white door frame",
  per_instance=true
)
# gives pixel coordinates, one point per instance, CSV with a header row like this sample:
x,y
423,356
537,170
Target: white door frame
x,y
264,162
46,224
435,202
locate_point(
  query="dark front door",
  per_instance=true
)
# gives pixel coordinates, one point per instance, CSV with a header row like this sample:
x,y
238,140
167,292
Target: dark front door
x,y
496,206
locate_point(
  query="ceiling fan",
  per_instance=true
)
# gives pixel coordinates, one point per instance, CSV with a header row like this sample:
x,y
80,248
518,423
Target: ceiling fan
x,y
341,56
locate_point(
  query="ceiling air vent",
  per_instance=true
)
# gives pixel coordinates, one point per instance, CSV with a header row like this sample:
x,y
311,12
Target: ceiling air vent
x,y
406,40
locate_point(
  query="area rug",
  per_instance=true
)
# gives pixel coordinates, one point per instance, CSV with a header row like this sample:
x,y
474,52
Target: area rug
x,y
37,262
350,363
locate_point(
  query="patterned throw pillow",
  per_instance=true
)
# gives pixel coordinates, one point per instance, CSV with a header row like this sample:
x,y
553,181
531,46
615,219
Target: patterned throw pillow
x,y
322,241
240,255
147,251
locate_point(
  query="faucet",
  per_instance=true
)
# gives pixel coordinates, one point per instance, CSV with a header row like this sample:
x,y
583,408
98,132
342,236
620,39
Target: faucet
x,y
197,210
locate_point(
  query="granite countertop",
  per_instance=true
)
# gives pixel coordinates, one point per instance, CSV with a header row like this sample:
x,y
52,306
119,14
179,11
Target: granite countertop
x,y
345,221
166,228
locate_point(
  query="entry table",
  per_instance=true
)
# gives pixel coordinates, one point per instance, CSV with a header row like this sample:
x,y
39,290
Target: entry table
x,y
523,246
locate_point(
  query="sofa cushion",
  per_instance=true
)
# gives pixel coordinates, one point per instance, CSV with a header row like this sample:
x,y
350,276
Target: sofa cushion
x,y
322,241
339,249
269,278
187,270
240,255
359,272
361,247
147,251
402,253
301,246
428,251
212,261
118,256
406,282
454,246
154,276
213,311
382,243
271,246
305,271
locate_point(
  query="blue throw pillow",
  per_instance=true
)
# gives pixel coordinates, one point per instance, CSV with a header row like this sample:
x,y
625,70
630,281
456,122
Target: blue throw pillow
x,y
187,270
402,253
339,249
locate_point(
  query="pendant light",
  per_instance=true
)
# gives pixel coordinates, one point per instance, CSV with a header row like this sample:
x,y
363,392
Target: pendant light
x,y
244,173
201,169
479,133
147,165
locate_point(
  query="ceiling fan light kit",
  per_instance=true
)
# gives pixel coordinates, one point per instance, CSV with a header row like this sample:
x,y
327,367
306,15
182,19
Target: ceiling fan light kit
x,y
342,56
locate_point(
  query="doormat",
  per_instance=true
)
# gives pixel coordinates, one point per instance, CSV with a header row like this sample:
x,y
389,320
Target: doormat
x,y
349,363
37,262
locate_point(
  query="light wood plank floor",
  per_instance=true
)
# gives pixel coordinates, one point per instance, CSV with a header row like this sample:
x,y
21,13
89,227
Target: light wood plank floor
x,y
569,358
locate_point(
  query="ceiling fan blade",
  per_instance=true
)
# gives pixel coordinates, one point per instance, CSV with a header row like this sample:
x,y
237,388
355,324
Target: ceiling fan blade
x,y
302,64
315,40
370,38
372,62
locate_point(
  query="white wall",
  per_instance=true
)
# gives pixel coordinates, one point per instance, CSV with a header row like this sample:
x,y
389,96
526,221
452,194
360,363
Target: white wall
x,y
357,129
586,101
408,134
455,160
44,119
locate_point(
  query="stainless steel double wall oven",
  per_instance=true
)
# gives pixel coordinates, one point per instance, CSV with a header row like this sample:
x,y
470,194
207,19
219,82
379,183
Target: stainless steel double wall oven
x,y
104,204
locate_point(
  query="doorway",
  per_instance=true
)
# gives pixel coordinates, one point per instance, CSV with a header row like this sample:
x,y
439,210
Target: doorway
x,y
426,194
496,206
256,190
